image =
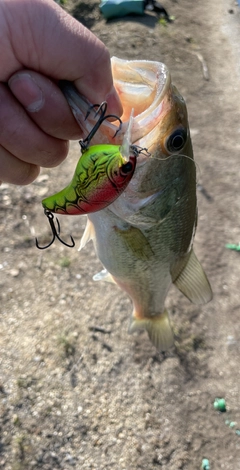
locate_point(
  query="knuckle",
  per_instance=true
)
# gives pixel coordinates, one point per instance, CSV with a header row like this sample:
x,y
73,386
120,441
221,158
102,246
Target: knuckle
x,y
29,174
53,157
22,176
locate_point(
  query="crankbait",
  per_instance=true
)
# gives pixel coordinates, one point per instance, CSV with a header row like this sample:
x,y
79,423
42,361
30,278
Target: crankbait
x,y
101,175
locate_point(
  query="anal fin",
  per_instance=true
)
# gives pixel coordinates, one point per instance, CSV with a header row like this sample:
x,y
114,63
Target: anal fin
x,y
104,275
159,330
193,282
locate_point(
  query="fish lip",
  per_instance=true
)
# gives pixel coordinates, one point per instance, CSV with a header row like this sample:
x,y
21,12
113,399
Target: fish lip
x,y
155,77
80,107
155,73
78,103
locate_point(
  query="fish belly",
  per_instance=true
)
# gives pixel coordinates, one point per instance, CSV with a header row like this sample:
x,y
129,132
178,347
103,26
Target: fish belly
x,y
140,269
140,262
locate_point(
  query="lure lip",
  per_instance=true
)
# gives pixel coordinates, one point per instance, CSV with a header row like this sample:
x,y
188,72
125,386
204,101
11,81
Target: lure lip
x,y
127,139
80,107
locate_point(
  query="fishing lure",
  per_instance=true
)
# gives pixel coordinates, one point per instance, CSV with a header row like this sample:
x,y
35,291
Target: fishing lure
x,y
101,175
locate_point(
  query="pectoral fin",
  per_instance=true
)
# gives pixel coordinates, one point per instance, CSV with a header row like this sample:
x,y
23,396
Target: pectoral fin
x,y
136,242
192,281
158,328
88,235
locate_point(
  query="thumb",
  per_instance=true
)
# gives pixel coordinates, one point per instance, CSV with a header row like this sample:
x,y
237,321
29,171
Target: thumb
x,y
44,38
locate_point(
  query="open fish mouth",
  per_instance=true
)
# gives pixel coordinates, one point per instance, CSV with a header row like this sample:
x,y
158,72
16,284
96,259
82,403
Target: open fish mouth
x,y
141,85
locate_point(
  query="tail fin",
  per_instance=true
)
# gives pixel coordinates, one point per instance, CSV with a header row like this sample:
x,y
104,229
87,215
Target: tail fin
x,y
158,328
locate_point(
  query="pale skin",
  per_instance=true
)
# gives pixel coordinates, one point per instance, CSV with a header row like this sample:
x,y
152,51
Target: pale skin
x,y
41,44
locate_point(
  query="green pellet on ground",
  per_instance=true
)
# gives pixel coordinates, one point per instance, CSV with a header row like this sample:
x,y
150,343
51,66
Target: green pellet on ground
x,y
220,404
205,464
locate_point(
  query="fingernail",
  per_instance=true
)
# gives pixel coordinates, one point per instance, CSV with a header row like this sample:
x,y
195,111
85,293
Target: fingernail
x,y
114,103
26,90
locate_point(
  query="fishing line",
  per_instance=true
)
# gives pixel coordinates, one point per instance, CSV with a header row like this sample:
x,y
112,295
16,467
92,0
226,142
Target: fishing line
x,y
198,170
173,155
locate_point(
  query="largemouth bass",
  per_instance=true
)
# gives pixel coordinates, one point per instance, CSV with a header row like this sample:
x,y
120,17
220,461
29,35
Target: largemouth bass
x,y
145,238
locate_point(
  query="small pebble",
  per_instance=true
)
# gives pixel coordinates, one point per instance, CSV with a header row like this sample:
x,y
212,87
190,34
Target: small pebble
x,y
205,464
14,272
42,179
220,404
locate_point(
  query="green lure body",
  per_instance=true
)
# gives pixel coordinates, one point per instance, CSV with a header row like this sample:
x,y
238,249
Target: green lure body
x,y
101,175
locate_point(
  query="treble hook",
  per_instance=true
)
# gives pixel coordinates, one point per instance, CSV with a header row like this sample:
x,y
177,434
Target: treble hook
x,y
102,108
55,232
137,150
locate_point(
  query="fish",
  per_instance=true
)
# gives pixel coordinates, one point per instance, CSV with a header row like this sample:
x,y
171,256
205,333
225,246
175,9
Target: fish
x,y
144,239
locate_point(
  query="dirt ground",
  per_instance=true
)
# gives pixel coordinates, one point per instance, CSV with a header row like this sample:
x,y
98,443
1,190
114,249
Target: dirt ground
x,y
76,391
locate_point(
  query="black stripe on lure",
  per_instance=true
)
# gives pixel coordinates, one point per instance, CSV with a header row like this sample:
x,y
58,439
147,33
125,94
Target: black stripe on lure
x,y
101,175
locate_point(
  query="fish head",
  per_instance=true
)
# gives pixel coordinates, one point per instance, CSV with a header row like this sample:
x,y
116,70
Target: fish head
x,y
160,125
158,111
160,121
170,135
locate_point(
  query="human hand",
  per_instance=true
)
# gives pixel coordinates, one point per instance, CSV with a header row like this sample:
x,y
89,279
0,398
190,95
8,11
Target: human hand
x,y
39,45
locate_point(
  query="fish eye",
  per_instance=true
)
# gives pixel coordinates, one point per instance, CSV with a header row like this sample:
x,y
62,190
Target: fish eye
x,y
176,140
127,167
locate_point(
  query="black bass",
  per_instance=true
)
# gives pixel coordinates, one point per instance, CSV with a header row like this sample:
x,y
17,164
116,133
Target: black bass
x,y
145,238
